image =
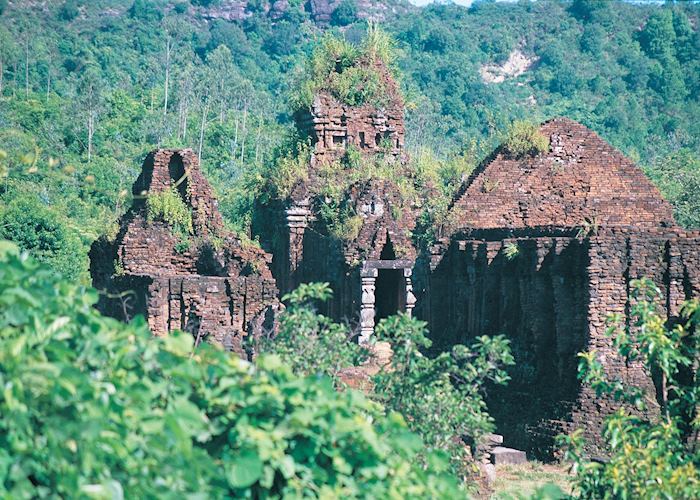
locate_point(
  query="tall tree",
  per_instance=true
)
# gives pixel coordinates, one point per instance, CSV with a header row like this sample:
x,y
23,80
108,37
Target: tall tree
x,y
90,91
174,30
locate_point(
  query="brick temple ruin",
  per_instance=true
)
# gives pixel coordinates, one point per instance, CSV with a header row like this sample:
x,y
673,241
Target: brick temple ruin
x,y
216,288
544,249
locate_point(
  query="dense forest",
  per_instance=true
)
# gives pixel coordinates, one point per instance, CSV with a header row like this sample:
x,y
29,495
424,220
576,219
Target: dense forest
x,y
87,88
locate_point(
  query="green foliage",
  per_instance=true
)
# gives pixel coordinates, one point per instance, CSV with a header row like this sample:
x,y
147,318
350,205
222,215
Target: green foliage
x,y
511,251
291,167
69,10
648,459
524,139
677,174
348,73
440,397
35,228
310,343
95,408
345,13
168,206
618,70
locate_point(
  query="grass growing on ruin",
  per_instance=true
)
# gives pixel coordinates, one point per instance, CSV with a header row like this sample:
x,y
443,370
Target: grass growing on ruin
x,y
349,73
524,139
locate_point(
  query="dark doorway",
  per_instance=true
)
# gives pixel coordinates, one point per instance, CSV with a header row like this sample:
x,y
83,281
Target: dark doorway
x,y
389,289
178,175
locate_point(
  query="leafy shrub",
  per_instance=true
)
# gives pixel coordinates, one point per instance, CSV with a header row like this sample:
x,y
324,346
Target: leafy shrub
x,y
648,459
440,397
167,206
291,167
92,407
511,251
345,13
346,72
310,343
69,10
524,139
35,228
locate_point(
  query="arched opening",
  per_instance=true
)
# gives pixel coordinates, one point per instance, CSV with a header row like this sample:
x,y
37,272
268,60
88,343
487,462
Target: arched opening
x,y
390,292
178,175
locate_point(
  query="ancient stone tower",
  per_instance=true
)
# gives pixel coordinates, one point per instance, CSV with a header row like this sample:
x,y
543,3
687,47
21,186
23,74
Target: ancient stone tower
x,y
370,268
203,281
546,249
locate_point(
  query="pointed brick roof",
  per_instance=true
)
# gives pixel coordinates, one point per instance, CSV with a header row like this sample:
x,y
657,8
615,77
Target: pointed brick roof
x,y
580,178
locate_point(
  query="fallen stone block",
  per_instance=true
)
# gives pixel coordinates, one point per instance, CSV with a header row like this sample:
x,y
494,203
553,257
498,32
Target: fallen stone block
x,y
507,456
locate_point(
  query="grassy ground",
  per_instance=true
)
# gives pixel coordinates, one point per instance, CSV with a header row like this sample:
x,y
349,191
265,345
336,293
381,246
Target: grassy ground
x,y
520,481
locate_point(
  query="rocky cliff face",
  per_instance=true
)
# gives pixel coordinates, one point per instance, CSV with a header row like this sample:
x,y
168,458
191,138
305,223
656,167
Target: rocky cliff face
x,y
320,10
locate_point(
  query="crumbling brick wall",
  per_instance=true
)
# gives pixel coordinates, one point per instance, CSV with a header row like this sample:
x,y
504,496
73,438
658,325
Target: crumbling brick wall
x,y
333,126
536,297
552,299
217,288
585,222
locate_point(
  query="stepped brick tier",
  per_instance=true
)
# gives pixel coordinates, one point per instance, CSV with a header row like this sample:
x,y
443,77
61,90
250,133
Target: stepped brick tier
x,y
333,126
544,250
377,259
582,180
216,288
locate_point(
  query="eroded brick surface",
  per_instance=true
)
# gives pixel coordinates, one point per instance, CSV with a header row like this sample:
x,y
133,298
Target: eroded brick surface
x,y
217,288
544,249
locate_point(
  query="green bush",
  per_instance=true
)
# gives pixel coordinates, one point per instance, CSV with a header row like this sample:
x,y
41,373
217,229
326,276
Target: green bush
x,y
655,458
346,72
524,139
91,407
37,229
441,397
167,206
310,343
345,13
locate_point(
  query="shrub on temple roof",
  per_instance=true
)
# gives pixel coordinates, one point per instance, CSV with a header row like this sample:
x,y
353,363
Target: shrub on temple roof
x,y
352,74
524,139
167,206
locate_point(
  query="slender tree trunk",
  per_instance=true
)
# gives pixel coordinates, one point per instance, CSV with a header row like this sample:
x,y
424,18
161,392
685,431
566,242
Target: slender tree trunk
x,y
48,85
2,74
91,133
168,45
235,140
245,116
664,396
201,130
184,122
14,80
257,141
26,67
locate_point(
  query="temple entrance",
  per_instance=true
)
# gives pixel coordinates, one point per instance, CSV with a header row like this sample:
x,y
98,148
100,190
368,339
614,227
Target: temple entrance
x,y
386,289
390,285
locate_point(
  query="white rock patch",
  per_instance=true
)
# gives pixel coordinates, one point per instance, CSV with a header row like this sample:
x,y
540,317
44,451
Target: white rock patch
x,y
517,64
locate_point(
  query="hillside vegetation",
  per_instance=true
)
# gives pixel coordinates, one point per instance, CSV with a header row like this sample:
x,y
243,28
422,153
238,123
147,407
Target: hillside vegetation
x,y
87,88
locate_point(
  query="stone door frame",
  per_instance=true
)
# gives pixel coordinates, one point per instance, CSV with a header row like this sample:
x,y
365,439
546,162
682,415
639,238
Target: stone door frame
x,y
368,275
